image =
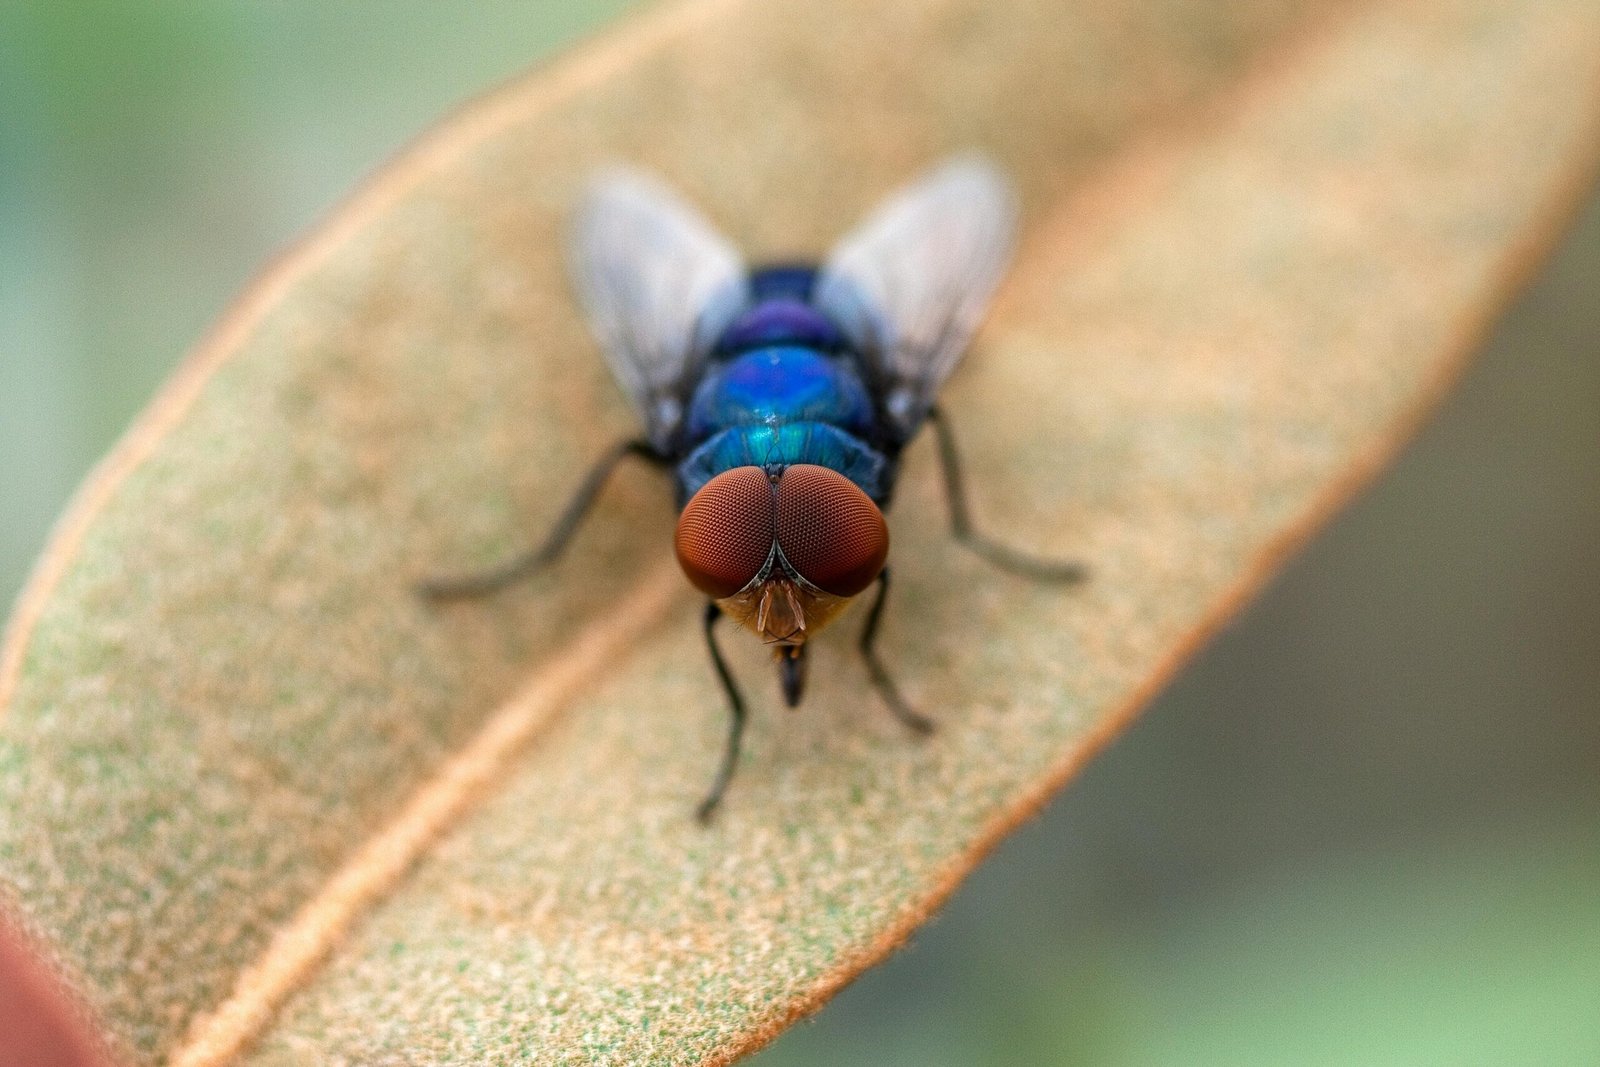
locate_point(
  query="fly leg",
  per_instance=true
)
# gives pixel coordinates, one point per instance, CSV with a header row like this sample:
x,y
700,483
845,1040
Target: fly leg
x,y
730,754
1007,559
452,587
875,669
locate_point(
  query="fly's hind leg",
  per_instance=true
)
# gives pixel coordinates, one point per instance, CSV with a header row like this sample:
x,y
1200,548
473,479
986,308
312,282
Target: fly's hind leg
x,y
881,681
736,717
1002,556
453,587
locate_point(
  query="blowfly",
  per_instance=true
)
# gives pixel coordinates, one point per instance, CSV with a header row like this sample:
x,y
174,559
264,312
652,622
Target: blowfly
x,y
780,399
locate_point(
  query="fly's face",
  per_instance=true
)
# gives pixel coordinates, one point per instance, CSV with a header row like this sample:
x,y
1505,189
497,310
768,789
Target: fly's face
x,y
782,551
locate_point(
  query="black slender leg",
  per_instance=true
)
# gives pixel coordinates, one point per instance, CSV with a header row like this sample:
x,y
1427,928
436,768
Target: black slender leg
x,y
730,755
875,669
1007,559
452,587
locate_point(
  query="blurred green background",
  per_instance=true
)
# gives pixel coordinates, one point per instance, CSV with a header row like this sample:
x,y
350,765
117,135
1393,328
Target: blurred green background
x,y
1363,828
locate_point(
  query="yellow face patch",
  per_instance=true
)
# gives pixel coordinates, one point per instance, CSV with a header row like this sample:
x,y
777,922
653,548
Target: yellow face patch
x,y
782,611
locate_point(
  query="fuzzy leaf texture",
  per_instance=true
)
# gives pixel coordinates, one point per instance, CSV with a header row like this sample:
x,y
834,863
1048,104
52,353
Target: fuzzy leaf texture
x,y
265,806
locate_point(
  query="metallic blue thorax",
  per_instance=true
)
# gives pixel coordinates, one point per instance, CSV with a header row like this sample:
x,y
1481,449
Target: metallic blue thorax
x,y
782,387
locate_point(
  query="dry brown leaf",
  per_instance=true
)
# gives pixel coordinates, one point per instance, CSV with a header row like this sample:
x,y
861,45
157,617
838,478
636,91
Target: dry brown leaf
x,y
266,805
39,1027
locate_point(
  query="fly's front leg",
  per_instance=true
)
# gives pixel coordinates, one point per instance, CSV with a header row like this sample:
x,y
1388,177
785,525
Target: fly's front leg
x,y
1007,559
875,669
730,754
452,587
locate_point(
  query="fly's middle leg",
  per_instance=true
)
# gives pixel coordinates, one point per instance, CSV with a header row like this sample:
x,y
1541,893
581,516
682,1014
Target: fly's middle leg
x,y
1006,558
455,587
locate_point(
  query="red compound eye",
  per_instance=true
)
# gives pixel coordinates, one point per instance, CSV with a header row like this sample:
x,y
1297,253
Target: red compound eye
x,y
829,530
725,532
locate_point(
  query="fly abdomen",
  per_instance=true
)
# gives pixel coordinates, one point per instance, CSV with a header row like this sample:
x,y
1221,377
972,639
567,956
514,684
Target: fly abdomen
x,y
780,321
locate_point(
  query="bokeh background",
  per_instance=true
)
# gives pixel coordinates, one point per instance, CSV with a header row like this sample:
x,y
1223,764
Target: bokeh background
x,y
1363,827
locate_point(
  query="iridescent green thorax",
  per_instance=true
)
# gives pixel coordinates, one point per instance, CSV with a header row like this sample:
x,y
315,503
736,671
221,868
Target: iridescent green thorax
x,y
782,387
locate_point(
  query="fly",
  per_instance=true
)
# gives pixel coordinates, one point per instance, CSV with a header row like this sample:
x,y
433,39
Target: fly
x,y
780,399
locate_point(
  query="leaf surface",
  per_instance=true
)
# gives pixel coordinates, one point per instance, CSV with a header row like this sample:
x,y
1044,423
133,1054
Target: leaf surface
x,y
267,806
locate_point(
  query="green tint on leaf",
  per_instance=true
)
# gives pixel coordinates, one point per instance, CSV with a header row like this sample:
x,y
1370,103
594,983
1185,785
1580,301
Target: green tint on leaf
x,y
268,806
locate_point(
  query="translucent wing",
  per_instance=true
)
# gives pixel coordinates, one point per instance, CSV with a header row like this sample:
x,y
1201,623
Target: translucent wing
x,y
911,283
659,284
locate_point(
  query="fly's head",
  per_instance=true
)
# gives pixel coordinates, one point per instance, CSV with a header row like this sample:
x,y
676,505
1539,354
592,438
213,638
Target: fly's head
x,y
782,551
